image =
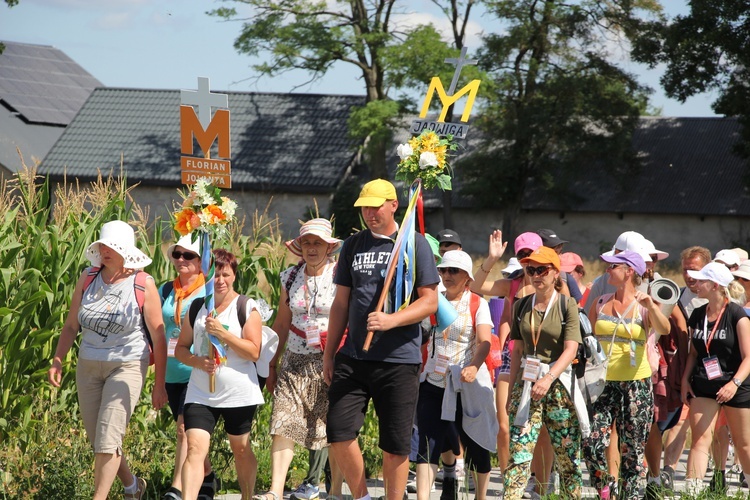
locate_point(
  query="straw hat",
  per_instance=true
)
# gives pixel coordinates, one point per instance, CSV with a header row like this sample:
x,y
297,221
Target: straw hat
x,y
317,227
120,237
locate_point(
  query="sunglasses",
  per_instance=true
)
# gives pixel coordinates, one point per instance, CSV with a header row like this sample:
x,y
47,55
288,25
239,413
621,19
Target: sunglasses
x,y
449,270
176,254
612,267
541,271
522,254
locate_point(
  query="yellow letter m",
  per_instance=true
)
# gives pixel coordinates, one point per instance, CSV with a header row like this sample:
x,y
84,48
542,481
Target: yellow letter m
x,y
447,101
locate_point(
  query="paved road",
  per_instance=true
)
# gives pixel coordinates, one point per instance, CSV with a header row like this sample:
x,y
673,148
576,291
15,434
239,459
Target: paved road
x,y
376,486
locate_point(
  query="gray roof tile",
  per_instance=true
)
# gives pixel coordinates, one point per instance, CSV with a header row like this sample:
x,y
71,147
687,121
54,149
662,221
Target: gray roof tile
x,y
293,142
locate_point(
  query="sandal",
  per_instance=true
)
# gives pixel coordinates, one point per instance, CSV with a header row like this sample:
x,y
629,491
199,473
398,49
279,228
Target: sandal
x,y
264,496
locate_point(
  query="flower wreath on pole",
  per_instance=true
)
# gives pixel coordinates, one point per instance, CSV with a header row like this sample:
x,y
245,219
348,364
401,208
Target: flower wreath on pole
x,y
209,214
426,157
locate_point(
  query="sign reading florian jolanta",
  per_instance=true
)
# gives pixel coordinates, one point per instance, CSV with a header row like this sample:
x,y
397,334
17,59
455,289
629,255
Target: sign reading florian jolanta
x,y
205,130
447,99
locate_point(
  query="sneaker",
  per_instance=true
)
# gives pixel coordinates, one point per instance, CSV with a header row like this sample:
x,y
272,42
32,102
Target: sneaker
x,y
439,475
718,482
743,481
138,495
530,490
450,489
654,491
172,494
305,491
208,488
667,478
411,484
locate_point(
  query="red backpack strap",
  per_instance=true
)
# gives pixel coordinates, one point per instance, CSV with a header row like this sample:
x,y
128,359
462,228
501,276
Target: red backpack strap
x,y
474,302
139,286
514,286
91,274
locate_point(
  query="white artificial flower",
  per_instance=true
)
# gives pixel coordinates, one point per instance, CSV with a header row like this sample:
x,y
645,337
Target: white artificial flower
x,y
228,207
404,151
427,159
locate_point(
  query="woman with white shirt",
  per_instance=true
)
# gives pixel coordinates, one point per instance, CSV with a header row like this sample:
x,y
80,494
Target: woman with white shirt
x,y
236,394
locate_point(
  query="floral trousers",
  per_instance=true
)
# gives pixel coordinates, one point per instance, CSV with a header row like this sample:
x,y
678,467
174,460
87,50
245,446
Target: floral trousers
x,y
556,411
631,405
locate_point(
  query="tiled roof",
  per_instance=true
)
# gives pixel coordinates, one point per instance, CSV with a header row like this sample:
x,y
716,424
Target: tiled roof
x,y
42,84
686,167
291,142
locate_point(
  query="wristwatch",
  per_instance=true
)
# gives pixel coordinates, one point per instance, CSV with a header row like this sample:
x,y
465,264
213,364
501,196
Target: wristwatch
x,y
737,382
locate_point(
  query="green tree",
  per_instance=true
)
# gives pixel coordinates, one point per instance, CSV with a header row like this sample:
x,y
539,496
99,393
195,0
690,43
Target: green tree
x,y
315,35
706,50
561,104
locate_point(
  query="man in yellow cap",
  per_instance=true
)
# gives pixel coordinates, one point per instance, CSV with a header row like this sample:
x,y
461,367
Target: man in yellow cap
x,y
389,371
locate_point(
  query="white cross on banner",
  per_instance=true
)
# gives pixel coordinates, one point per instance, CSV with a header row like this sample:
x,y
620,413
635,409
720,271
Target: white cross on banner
x,y
204,100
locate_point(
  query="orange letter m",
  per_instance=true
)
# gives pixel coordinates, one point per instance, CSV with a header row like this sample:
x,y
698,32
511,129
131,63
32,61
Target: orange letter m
x,y
218,128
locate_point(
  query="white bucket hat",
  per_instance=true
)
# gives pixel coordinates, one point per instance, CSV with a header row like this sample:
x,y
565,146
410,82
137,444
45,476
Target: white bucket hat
x,y
513,266
458,259
120,237
186,242
318,227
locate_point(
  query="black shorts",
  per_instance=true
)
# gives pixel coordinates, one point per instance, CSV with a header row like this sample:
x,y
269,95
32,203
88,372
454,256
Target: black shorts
x,y
437,435
703,388
176,396
394,390
237,421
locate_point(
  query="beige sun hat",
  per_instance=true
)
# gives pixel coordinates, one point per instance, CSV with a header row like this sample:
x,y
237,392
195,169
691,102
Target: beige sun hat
x,y
318,227
120,237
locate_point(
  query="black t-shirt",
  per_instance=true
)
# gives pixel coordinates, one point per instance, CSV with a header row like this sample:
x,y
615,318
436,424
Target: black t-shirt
x,y
725,344
362,268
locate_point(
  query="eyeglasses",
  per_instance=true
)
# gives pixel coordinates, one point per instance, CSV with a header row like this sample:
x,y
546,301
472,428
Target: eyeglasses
x,y
176,254
449,270
612,267
522,254
541,271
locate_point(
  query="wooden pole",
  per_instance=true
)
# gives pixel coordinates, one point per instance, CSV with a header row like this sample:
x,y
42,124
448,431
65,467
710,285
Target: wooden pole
x,y
384,293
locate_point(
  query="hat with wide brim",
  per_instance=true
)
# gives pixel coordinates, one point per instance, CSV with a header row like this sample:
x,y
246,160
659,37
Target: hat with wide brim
x,y
317,227
743,271
650,249
120,237
187,243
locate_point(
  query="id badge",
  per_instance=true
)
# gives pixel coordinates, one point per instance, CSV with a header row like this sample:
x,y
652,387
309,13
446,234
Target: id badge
x,y
713,369
171,347
532,369
313,336
441,364
632,353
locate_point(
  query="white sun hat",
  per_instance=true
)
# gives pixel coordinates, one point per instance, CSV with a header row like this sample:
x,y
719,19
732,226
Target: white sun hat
x,y
186,242
513,266
458,259
120,237
650,249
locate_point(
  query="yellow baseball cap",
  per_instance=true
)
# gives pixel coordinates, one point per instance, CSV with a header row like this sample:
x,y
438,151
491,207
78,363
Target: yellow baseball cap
x,y
375,193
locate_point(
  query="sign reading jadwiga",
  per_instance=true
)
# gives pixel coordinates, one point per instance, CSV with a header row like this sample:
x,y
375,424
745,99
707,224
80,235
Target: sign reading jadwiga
x,y
205,129
448,99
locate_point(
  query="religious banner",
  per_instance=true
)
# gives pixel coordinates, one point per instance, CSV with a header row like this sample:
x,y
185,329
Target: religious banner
x,y
206,130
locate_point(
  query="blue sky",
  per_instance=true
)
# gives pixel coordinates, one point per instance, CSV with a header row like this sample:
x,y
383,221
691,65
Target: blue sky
x,y
167,44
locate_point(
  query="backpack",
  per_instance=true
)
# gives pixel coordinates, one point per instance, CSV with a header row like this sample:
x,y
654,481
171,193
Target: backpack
x,y
139,288
195,307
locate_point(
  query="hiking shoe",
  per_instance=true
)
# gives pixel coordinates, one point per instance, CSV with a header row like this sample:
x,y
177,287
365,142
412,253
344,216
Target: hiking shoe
x,y
138,495
172,494
667,478
305,491
718,482
450,489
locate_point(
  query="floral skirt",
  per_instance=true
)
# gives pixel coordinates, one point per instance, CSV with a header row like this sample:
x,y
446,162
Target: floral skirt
x,y
300,401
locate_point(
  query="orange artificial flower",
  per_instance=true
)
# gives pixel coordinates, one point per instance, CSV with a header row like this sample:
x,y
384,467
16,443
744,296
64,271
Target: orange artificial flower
x,y
214,214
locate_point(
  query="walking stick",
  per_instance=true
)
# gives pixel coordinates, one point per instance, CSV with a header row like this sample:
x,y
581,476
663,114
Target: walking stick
x,y
384,293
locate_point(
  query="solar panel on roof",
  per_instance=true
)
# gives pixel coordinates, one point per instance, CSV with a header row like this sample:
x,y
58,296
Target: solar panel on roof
x,y
42,83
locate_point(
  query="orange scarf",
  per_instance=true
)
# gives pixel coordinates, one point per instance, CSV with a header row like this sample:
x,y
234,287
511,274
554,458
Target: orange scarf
x,y
183,293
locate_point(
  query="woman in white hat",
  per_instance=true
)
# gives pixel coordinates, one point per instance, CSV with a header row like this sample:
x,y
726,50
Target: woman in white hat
x,y
456,356
300,393
717,369
176,297
111,310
